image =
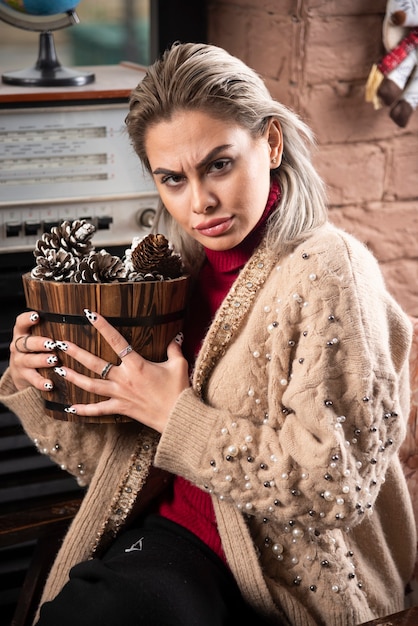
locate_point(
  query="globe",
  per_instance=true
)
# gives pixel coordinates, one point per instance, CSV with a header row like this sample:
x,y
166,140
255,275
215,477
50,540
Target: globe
x,y
43,16
41,7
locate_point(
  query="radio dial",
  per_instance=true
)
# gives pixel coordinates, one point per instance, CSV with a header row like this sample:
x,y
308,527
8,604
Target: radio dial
x,y
145,217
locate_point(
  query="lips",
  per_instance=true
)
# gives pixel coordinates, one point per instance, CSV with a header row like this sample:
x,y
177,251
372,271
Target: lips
x,y
214,227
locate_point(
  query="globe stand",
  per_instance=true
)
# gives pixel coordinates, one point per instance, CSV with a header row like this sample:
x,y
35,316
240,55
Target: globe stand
x,y
48,72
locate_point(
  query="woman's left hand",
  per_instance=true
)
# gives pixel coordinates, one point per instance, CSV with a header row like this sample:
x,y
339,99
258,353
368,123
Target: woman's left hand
x,y
138,388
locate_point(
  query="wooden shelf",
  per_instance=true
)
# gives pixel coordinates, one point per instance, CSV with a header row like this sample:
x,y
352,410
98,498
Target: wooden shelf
x,y
112,82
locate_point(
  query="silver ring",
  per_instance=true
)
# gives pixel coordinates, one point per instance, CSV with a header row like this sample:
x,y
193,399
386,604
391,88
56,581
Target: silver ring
x,y
125,351
106,370
25,338
24,344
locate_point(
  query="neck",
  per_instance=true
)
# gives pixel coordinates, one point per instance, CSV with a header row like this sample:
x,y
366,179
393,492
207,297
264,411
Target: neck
x,y
235,258
217,276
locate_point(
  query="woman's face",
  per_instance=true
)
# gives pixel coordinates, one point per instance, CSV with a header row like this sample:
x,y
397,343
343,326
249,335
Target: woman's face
x,y
212,176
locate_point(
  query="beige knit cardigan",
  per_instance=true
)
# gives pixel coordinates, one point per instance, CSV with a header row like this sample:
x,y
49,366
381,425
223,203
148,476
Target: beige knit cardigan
x,y
297,411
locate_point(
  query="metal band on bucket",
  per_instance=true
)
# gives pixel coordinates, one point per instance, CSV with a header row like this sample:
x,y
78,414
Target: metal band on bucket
x,y
80,320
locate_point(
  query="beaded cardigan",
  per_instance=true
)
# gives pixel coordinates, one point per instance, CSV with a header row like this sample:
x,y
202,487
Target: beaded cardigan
x,y
293,424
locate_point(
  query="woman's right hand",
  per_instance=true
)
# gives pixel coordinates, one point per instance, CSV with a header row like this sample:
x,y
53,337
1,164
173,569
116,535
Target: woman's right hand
x,y
29,352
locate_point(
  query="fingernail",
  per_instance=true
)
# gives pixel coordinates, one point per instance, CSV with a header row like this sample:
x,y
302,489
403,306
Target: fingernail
x,y
179,338
48,386
49,345
60,371
52,359
34,317
61,345
92,317
70,409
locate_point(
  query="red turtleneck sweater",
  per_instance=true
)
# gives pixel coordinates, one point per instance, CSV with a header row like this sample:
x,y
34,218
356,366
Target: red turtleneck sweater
x,y
186,504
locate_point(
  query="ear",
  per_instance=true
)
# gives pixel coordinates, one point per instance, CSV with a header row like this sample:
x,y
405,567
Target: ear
x,y
275,140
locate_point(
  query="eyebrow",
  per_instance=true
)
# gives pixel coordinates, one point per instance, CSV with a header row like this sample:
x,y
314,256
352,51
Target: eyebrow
x,y
205,161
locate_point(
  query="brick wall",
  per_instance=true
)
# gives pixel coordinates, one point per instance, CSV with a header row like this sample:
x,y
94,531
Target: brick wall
x,y
315,56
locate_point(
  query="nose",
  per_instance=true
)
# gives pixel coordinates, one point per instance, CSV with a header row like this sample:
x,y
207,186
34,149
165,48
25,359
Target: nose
x,y
202,199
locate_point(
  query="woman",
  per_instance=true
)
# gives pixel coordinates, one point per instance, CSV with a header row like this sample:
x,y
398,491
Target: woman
x,y
276,467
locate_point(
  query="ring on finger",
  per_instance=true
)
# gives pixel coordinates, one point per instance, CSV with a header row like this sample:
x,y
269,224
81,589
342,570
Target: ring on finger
x,y
106,370
25,343
125,351
25,338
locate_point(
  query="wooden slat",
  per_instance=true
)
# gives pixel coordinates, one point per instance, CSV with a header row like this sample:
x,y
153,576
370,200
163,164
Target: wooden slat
x,y
29,523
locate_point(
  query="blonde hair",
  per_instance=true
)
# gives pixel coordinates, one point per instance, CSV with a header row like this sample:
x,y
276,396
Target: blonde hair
x,y
207,78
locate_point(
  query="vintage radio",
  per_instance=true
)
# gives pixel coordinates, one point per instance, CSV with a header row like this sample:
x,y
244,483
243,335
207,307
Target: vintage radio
x,y
65,154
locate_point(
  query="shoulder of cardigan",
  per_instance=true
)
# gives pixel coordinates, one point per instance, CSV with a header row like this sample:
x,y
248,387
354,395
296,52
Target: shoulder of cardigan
x,y
240,298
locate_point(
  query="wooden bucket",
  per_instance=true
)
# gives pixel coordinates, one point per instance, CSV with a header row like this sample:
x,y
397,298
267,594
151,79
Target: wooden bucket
x,y
147,314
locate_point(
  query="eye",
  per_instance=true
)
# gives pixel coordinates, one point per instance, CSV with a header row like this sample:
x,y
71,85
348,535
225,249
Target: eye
x,y
220,165
171,180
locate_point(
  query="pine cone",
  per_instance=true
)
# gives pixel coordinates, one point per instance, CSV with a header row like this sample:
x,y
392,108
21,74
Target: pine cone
x,y
138,277
73,237
55,265
100,267
154,255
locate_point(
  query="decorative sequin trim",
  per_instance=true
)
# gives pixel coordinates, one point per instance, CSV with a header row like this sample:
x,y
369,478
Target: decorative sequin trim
x,y
128,489
231,314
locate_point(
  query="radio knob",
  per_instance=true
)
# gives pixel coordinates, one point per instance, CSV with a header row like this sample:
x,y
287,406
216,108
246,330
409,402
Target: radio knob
x,y
32,227
13,229
104,222
48,224
145,218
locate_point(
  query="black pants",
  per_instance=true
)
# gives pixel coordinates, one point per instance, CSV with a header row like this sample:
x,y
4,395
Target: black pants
x,y
158,574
